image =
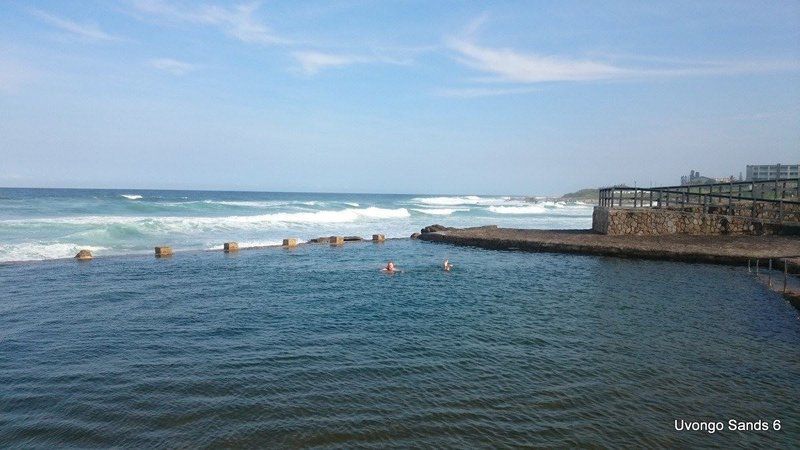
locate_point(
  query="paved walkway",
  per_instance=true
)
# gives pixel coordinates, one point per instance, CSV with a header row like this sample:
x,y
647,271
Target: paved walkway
x,y
712,249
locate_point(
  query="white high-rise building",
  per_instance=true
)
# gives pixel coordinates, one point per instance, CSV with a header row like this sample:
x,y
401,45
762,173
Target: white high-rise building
x,y
772,172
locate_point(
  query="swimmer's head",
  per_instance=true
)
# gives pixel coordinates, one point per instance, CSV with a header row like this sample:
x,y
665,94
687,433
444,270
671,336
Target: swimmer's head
x,y
390,266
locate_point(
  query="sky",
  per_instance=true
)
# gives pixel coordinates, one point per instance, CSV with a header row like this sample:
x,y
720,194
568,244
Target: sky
x,y
450,97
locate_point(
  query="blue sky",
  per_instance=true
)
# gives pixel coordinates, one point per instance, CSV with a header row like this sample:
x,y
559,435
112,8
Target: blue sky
x,y
408,96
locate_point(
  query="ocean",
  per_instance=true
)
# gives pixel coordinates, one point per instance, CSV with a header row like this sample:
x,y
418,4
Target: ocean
x,y
38,224
315,346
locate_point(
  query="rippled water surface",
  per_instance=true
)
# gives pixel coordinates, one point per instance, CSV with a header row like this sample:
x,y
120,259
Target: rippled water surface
x,y
317,347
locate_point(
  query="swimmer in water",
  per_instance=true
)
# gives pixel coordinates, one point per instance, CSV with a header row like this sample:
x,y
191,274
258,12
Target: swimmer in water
x,y
390,267
447,266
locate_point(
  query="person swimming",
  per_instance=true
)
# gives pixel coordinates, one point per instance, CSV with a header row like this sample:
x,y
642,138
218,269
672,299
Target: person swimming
x,y
447,266
390,268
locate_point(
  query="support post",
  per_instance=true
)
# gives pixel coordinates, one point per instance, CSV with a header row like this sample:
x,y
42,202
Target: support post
x,y
730,197
769,273
785,273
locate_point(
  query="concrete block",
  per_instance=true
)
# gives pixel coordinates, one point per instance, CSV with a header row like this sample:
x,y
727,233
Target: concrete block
x,y
84,255
230,247
336,240
290,242
163,251
378,238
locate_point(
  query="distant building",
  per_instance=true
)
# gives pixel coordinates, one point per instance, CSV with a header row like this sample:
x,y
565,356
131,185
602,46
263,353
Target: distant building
x,y
694,177
772,172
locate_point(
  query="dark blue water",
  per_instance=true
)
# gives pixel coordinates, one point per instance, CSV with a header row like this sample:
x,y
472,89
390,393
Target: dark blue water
x,y
317,347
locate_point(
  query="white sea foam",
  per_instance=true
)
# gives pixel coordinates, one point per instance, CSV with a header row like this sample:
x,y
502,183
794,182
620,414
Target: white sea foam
x,y
194,223
250,244
439,211
31,251
353,204
558,208
246,203
263,203
527,209
132,196
462,200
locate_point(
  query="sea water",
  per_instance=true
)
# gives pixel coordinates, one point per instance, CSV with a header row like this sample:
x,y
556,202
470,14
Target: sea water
x,y
40,224
316,347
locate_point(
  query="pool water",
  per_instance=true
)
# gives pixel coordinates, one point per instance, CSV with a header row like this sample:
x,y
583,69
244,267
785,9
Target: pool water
x,y
315,346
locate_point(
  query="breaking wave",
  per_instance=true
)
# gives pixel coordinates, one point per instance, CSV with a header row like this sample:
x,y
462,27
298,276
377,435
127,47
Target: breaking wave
x,y
185,224
461,200
439,211
558,208
527,209
132,196
32,251
245,204
250,244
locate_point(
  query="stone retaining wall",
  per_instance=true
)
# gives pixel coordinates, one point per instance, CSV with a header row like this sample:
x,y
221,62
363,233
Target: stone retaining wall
x,y
662,221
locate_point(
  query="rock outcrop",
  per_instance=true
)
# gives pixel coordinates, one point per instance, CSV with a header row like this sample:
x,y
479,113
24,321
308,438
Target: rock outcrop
x,y
433,228
83,255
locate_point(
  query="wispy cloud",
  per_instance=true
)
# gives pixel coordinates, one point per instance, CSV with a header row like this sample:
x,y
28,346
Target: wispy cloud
x,y
312,62
474,92
88,31
506,65
238,22
510,66
172,66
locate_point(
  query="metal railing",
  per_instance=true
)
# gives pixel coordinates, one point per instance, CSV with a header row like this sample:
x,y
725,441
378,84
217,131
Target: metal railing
x,y
735,199
784,262
786,188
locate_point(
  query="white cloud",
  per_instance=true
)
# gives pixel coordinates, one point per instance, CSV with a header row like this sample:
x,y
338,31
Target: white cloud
x,y
311,62
506,65
510,66
483,91
172,66
87,31
236,21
